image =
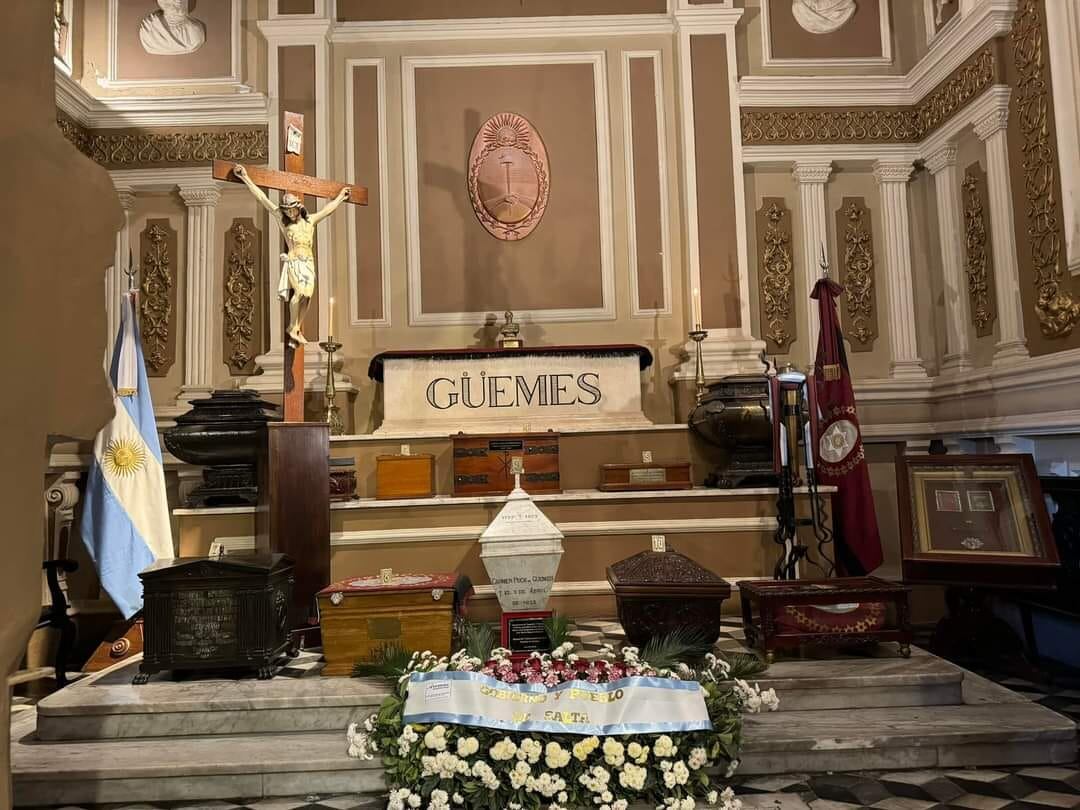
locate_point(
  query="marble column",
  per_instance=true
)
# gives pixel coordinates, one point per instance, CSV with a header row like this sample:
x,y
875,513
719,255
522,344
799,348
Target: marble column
x,y
199,326
115,280
1011,347
942,165
811,177
892,178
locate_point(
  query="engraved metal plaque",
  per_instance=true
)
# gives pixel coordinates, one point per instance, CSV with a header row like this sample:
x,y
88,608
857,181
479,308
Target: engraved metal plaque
x,y
648,475
384,628
508,177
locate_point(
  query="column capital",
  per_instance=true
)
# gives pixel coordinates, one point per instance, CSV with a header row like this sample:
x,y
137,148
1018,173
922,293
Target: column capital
x,y
126,194
942,158
892,171
811,171
200,195
992,122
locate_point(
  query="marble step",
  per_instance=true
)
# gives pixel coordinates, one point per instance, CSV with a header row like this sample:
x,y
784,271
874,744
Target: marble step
x,y
872,682
987,734
183,769
106,706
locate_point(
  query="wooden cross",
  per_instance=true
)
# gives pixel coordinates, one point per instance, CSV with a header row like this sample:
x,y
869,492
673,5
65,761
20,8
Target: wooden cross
x,y
295,180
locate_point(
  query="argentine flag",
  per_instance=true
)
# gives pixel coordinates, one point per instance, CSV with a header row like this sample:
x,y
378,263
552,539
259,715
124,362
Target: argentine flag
x,y
125,518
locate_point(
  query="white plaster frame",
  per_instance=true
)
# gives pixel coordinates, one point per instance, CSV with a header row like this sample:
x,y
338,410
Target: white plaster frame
x,y
606,312
631,205
63,60
352,245
322,7
767,59
929,15
722,23
234,78
500,28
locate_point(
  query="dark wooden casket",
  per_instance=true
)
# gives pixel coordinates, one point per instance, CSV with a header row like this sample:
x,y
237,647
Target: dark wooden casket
x,y
660,592
482,464
205,613
659,475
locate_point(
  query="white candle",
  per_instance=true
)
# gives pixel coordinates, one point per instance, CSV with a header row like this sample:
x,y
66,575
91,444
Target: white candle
x,y
696,309
330,325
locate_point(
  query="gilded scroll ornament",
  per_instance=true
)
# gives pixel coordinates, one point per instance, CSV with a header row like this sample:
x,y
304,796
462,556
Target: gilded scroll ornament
x,y
982,313
875,124
858,281
240,291
1058,310
508,178
776,275
155,309
126,149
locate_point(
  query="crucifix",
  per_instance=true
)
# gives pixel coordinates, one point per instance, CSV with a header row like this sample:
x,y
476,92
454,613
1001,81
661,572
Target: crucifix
x,y
296,285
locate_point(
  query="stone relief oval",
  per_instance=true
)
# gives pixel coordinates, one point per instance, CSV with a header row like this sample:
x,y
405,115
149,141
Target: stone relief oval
x,y
822,16
508,179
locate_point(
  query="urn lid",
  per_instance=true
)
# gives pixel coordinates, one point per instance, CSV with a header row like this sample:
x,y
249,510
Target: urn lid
x,y
230,405
520,519
199,567
458,583
665,572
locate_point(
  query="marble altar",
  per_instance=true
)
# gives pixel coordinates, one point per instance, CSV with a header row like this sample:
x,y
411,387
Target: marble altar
x,y
480,390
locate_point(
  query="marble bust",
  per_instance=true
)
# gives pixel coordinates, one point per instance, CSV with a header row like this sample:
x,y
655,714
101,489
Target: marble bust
x,y
822,16
170,31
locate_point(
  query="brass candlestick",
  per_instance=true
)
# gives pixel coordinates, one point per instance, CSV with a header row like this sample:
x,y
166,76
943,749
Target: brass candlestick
x,y
333,413
697,334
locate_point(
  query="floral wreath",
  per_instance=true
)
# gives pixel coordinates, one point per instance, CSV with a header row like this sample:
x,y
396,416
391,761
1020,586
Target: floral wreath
x,y
443,766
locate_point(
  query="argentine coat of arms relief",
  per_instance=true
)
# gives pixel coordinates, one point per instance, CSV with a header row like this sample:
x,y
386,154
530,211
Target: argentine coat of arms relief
x,y
509,178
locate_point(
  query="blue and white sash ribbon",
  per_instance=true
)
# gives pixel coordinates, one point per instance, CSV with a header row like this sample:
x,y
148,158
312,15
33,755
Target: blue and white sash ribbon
x,y
637,705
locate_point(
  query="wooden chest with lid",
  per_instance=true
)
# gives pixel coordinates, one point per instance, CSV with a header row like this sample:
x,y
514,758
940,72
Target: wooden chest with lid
x,y
364,615
405,476
482,463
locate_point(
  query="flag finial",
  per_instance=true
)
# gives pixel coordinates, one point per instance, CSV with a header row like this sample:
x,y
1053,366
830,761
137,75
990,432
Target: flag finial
x,y
130,271
824,262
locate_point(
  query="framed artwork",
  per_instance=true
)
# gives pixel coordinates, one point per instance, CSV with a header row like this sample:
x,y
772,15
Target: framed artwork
x,y
974,520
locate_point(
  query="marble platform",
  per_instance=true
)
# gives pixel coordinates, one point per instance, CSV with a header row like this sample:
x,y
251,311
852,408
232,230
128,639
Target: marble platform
x,y
103,740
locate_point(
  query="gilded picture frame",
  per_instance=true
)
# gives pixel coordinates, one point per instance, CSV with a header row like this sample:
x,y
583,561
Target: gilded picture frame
x,y
974,520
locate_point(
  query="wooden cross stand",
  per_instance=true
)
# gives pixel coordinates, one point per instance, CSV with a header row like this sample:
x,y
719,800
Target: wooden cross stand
x,y
293,515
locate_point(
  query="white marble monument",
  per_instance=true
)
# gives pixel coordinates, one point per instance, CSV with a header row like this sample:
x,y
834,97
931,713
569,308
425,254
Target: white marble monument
x,y
170,31
521,549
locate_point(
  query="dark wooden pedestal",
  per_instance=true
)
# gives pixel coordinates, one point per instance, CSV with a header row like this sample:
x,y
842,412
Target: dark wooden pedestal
x,y
293,516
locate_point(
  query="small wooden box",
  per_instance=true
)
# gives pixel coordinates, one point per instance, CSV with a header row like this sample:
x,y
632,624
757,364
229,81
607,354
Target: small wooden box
x,y
482,464
634,477
359,617
405,476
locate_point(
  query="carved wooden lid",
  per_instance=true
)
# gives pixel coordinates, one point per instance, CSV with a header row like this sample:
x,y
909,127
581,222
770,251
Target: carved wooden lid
x,y
665,572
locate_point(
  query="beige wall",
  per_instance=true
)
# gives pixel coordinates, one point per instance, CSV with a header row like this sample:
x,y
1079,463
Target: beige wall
x,y
663,335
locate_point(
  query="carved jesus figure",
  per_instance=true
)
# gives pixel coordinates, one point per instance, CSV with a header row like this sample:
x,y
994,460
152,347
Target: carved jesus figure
x,y
297,282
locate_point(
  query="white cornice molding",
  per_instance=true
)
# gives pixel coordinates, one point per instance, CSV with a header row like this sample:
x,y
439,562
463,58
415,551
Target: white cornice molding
x,y
295,30
783,157
955,45
600,25
163,179
707,19
115,112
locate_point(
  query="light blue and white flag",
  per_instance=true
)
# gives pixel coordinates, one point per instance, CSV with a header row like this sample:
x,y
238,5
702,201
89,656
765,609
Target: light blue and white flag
x,y
125,518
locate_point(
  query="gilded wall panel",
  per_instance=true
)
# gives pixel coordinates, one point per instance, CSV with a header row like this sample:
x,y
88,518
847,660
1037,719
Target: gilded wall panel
x,y
775,275
858,308
978,258
241,311
157,296
1036,186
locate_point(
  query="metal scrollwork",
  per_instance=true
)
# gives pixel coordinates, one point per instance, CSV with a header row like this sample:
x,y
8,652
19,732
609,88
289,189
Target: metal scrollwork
x,y
1058,310
859,276
982,314
156,306
776,277
240,289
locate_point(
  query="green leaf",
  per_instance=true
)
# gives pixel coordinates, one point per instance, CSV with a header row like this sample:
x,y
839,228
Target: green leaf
x,y
558,630
682,646
479,640
388,661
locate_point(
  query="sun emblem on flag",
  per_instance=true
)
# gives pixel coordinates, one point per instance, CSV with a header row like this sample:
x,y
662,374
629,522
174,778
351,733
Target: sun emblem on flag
x,y
124,457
